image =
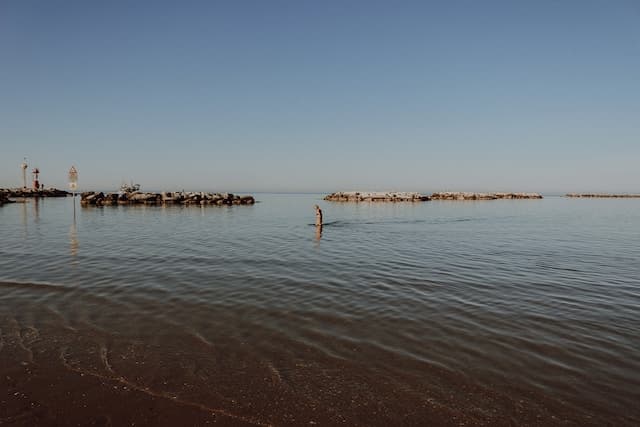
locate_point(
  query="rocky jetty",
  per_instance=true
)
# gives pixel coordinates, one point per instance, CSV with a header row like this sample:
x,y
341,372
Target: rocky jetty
x,y
92,198
449,195
604,196
356,196
30,192
4,198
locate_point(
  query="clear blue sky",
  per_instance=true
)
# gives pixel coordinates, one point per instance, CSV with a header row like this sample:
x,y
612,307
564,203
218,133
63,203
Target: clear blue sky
x,y
323,96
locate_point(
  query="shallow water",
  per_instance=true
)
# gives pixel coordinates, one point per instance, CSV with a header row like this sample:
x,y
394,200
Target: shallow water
x,y
536,300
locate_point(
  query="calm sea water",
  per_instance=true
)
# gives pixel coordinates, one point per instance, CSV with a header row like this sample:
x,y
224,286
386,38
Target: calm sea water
x,y
531,296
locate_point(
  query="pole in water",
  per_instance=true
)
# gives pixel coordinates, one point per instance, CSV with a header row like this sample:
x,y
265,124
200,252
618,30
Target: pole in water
x,y
73,186
24,167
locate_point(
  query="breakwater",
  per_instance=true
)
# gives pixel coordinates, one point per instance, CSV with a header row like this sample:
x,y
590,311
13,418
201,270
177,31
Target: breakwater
x,y
30,192
603,196
363,196
93,198
4,198
454,195
372,196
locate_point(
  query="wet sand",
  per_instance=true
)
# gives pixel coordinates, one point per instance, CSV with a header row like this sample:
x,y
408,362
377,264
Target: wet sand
x,y
55,374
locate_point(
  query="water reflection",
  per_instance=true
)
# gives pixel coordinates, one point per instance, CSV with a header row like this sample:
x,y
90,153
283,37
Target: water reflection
x,y
36,209
318,232
23,212
73,239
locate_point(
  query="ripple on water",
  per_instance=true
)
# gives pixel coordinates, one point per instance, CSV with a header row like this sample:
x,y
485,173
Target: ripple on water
x,y
540,296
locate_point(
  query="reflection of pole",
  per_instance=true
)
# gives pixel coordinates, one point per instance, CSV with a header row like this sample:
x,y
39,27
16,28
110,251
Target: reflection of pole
x,y
24,215
73,198
73,240
36,209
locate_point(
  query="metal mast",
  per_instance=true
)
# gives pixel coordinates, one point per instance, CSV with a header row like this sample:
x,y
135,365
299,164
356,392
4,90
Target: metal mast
x,y
24,167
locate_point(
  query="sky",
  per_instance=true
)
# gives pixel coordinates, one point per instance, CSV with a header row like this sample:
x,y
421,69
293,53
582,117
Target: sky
x,y
322,96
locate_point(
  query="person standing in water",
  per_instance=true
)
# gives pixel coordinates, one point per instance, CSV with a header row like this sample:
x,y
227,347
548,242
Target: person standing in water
x,y
318,216
318,223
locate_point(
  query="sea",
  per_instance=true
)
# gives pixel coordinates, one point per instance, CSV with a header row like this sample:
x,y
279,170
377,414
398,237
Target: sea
x,y
514,312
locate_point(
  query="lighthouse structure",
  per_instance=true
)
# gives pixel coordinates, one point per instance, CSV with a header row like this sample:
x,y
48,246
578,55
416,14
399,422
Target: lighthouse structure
x,y
24,167
36,183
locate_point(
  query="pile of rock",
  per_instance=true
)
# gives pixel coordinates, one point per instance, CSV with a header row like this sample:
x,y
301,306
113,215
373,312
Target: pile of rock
x,y
357,196
30,192
451,195
605,195
92,198
4,197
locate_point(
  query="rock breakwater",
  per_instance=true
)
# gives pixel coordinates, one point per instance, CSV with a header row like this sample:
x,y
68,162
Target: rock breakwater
x,y
357,196
455,195
92,198
4,198
604,196
30,192
363,196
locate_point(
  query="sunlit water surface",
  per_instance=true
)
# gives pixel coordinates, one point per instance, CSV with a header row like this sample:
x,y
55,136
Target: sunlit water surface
x,y
539,295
